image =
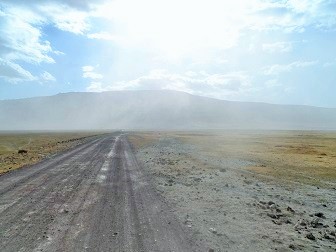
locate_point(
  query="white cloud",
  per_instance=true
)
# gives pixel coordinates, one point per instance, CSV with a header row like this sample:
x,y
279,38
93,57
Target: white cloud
x,y
58,53
87,68
176,28
214,85
88,72
296,15
330,63
21,38
103,36
180,29
278,69
46,77
13,72
96,87
21,24
65,18
92,75
277,47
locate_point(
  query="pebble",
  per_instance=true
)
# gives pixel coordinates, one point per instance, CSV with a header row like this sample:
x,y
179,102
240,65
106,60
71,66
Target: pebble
x,y
213,230
289,209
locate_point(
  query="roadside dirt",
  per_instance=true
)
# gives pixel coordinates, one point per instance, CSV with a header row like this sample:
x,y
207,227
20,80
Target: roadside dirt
x,y
231,208
94,197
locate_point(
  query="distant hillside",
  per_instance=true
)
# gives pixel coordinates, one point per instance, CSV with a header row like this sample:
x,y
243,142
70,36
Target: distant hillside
x,y
155,110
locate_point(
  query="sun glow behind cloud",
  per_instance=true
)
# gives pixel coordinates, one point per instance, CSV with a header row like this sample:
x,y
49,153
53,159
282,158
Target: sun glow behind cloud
x,y
178,28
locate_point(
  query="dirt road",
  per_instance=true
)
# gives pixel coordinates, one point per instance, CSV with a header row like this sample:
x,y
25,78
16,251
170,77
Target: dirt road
x,y
94,197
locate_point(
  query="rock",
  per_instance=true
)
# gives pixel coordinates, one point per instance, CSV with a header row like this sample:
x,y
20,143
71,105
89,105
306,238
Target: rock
x,y
277,222
270,203
320,215
327,237
289,209
22,151
213,230
211,250
310,236
300,224
292,246
273,216
315,223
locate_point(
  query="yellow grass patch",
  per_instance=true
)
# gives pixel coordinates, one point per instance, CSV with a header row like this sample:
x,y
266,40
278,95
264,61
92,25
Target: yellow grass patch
x,y
37,145
305,157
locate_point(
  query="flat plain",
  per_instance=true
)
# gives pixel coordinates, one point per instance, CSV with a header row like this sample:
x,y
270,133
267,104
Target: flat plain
x,y
39,145
169,191
247,190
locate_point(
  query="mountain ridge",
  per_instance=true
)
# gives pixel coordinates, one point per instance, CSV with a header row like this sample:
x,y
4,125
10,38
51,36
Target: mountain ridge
x,y
155,109
168,90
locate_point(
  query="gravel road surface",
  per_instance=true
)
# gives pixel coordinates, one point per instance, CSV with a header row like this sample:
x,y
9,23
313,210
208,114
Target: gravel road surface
x,y
94,197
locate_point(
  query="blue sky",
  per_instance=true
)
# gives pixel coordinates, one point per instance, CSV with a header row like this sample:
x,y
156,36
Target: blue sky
x,y
246,50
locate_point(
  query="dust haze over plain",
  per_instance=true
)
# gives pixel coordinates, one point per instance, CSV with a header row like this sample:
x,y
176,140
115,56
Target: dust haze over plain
x,y
156,110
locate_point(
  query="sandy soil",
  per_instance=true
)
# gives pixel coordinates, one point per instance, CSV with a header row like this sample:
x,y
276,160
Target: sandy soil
x,y
247,191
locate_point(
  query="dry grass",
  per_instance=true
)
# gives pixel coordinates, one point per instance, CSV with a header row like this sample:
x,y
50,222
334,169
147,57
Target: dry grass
x,y
38,145
144,139
305,157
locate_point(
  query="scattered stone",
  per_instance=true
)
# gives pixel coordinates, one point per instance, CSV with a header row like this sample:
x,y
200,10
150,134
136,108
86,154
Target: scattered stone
x,y
327,237
213,230
273,216
170,181
292,246
302,223
289,209
315,223
320,215
310,236
277,222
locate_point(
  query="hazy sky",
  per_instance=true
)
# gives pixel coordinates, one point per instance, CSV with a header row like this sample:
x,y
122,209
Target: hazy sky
x,y
247,50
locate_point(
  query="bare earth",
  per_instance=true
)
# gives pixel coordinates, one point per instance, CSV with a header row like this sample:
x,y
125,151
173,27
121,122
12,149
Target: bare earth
x,y
247,191
94,197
